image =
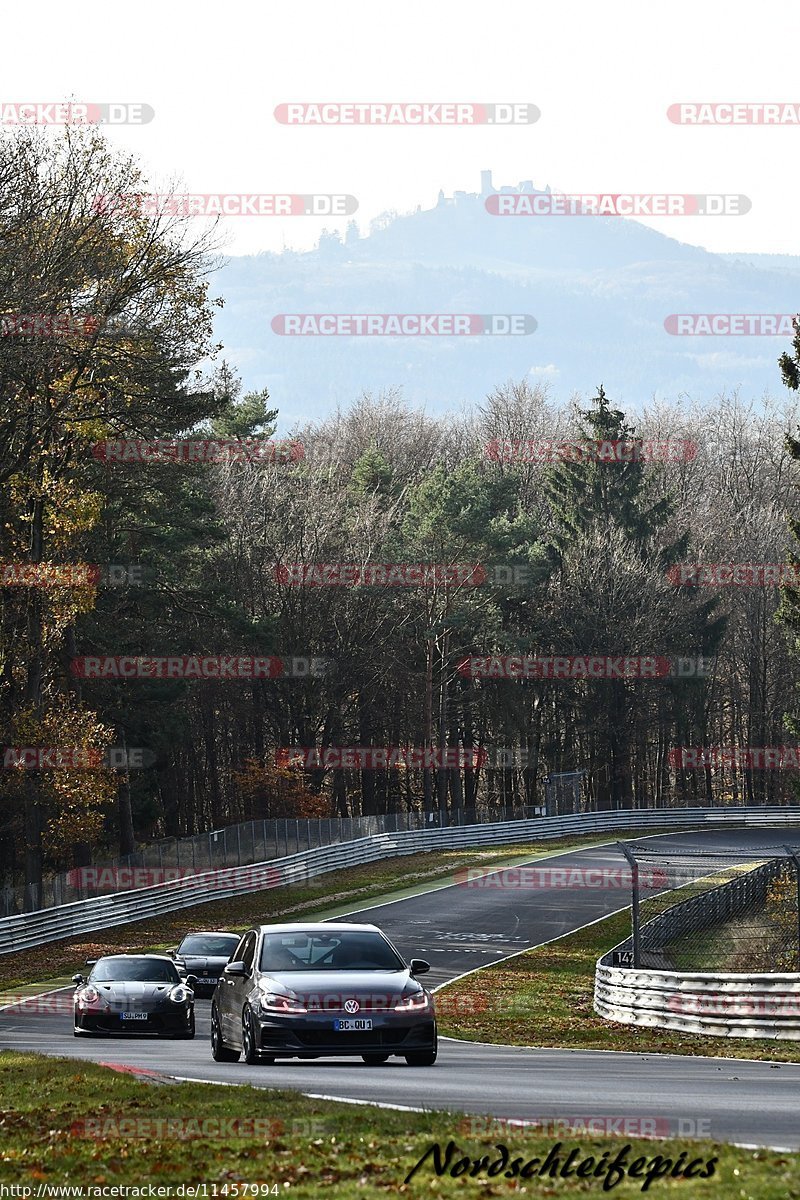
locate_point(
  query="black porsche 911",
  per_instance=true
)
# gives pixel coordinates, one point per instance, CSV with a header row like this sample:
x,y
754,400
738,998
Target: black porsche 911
x,y
134,993
204,955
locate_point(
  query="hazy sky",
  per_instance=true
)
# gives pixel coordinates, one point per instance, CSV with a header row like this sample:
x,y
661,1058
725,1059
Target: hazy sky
x,y
603,77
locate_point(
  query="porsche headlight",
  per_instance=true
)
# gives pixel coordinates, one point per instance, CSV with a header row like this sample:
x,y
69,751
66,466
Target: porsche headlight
x,y
88,995
271,1002
416,1002
180,994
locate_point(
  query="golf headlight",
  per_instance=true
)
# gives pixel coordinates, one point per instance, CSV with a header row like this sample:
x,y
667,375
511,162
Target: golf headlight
x,y
88,995
271,1002
179,994
416,1002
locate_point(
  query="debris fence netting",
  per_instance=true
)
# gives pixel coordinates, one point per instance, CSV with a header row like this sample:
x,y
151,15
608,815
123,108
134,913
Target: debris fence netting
x,y
714,911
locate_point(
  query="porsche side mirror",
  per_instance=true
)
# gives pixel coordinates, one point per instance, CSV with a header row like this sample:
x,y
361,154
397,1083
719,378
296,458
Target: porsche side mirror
x,y
76,979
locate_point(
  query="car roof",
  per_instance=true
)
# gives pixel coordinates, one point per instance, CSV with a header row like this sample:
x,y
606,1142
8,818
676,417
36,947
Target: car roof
x,y
318,927
160,957
211,933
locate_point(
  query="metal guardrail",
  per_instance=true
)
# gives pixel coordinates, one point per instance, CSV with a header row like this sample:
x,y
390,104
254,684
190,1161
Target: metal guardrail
x,y
240,845
82,916
725,1003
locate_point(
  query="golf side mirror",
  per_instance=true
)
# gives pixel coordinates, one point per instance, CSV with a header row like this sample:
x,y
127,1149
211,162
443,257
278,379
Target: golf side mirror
x,y
418,966
236,968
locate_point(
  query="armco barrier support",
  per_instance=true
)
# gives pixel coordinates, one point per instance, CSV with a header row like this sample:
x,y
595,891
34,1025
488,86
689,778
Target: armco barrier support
x,y
725,1003
82,916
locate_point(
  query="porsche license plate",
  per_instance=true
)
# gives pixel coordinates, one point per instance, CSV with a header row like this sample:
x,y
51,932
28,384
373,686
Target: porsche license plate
x,y
206,980
134,1016
353,1025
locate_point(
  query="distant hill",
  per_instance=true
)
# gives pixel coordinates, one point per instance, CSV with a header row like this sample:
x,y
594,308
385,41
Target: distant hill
x,y
599,288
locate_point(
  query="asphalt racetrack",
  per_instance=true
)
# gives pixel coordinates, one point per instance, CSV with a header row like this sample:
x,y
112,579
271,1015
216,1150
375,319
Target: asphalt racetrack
x,y
458,929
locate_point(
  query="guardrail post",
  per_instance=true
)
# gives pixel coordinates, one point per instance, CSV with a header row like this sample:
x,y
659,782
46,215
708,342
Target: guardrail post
x,y
625,849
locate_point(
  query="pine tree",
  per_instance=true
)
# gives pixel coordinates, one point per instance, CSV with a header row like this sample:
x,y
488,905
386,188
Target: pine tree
x,y
789,612
605,517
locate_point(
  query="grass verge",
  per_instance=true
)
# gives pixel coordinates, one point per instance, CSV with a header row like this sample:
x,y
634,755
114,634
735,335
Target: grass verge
x,y
82,1125
543,997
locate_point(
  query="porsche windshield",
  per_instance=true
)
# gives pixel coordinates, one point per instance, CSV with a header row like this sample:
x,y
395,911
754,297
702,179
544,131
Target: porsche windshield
x,y
344,951
134,970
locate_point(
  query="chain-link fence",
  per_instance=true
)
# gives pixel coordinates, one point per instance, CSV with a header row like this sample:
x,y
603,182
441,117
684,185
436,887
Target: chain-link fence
x,y
713,910
234,846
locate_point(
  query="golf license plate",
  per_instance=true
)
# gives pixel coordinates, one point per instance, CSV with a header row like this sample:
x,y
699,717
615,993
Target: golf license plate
x,y
353,1025
134,1016
204,979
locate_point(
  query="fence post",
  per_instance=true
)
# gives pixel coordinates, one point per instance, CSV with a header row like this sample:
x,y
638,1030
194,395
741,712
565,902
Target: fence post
x,y
793,855
625,849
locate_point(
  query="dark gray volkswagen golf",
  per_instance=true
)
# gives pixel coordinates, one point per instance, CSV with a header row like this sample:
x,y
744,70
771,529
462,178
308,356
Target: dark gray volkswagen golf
x,y
134,993
319,990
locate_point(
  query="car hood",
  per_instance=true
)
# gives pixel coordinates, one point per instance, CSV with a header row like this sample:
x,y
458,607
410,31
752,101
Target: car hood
x,y
111,993
372,988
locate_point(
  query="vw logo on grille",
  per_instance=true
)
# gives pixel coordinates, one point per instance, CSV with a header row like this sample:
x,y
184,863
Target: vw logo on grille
x,y
351,1006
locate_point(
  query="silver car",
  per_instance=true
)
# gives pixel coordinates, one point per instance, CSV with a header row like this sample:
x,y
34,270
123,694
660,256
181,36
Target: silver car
x,y
322,989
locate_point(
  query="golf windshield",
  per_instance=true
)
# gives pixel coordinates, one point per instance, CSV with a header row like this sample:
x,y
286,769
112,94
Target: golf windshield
x,y
134,970
346,951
